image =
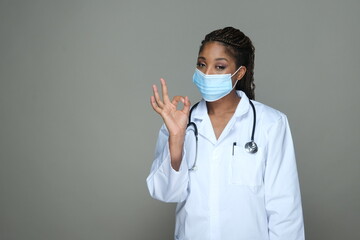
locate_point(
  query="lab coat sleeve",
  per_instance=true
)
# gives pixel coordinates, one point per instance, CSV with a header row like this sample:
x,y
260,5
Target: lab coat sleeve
x,y
165,183
282,191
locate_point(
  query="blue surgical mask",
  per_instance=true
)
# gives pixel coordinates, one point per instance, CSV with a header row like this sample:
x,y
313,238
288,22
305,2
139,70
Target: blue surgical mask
x,y
215,86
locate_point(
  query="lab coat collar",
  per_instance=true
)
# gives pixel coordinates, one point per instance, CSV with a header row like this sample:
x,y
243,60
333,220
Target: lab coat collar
x,y
243,106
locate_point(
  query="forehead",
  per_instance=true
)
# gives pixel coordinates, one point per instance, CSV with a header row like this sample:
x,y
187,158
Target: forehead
x,y
213,50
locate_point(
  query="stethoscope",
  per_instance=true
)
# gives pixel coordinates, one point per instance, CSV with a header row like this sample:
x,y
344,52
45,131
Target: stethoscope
x,y
250,147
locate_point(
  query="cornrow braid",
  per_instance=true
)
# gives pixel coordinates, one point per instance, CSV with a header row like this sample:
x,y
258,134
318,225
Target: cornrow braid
x,y
242,49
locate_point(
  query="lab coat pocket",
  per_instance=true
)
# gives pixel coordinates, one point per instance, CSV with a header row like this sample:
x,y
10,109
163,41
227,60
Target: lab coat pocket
x,y
246,168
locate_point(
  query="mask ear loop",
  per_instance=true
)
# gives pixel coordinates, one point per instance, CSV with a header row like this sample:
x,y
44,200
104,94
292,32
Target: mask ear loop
x,y
233,75
236,71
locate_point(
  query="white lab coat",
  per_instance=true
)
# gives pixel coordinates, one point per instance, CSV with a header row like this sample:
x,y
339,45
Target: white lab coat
x,y
232,195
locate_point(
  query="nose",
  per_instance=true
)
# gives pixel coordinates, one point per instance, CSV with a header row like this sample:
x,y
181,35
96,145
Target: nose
x,y
208,71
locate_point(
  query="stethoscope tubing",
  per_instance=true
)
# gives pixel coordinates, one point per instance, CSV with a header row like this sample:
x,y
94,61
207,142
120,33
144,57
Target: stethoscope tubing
x,y
254,120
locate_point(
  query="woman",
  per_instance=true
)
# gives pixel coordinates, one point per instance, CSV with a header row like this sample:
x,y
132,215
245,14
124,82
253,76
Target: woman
x,y
234,182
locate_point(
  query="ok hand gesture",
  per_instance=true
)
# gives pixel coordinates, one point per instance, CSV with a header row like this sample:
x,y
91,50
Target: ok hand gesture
x,y
174,119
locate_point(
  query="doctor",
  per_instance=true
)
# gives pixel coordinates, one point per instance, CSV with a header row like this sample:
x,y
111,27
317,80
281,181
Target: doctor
x,y
223,191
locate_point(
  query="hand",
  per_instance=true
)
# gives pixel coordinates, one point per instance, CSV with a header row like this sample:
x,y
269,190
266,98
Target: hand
x,y
174,119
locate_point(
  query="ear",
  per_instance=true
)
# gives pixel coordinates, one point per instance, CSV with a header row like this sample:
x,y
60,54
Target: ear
x,y
241,73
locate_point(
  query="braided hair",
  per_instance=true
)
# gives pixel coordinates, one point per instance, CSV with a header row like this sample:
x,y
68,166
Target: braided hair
x,y
241,48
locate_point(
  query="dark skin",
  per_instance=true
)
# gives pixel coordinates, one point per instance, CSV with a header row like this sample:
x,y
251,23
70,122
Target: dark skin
x,y
213,59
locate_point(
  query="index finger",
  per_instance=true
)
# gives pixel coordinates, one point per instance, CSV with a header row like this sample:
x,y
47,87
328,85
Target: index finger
x,y
187,105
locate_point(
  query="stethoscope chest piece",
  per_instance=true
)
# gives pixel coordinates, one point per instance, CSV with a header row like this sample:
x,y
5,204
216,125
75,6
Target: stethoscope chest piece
x,y
251,147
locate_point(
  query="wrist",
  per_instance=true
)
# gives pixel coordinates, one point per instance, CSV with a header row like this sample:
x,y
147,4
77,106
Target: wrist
x,y
176,165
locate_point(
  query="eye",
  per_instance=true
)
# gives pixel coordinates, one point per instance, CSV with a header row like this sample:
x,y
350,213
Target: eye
x,y
200,65
220,67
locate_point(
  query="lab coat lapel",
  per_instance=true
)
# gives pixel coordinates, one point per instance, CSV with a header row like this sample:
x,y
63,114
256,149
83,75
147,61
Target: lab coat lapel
x,y
206,130
202,120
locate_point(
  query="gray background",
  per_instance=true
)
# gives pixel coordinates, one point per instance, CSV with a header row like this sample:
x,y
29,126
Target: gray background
x,y
77,132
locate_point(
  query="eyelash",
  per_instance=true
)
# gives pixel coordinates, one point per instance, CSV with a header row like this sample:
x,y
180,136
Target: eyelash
x,y
220,68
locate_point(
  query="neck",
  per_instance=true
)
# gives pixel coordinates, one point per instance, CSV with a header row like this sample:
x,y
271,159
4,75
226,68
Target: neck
x,y
227,104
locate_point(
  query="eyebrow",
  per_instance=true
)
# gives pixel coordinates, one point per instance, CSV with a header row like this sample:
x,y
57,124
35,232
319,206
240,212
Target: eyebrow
x,y
217,59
